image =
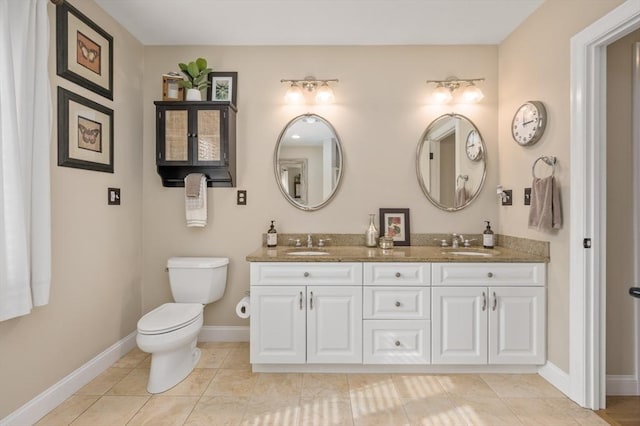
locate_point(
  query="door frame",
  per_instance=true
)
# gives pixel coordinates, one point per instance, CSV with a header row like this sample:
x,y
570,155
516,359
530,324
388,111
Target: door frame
x,y
587,366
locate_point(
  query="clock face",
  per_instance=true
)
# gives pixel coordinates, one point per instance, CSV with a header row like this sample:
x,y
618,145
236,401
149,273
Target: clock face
x,y
528,123
474,146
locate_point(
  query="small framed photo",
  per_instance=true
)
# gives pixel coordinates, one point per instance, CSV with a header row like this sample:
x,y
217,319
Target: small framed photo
x,y
84,53
395,223
85,133
223,87
171,90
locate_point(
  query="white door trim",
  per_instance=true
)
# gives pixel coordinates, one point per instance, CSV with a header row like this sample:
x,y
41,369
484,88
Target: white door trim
x,y
636,208
588,201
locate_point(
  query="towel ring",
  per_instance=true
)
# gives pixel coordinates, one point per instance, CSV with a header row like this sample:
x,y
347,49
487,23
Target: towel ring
x,y
550,161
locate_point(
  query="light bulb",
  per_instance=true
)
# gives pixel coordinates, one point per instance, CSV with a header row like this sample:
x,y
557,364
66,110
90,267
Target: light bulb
x,y
324,94
294,94
472,93
441,95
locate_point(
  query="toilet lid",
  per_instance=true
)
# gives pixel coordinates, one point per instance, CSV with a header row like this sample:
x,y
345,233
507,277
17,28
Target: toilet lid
x,y
169,317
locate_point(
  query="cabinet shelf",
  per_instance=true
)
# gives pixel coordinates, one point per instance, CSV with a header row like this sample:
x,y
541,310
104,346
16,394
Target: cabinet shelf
x,y
196,137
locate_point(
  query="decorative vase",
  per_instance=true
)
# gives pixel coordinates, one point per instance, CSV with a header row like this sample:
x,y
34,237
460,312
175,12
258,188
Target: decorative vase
x,y
194,95
371,236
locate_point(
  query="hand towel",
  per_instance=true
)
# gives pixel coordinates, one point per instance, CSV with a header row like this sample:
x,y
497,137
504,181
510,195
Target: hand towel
x,y
196,207
192,184
545,212
461,196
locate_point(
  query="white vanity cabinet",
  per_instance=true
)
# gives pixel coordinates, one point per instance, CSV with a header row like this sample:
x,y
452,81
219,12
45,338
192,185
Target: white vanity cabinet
x,y
488,313
396,313
306,312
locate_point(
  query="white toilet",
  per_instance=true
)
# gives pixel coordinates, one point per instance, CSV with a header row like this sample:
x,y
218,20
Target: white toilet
x,y
170,332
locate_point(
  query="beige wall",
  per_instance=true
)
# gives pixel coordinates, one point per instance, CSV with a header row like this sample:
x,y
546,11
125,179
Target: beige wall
x,y
620,251
534,64
380,114
95,291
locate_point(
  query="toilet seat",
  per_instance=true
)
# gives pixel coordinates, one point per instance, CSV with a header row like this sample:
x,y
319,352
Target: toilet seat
x,y
169,317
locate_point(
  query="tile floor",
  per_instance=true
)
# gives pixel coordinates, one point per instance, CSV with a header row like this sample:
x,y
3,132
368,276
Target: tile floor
x,y
222,390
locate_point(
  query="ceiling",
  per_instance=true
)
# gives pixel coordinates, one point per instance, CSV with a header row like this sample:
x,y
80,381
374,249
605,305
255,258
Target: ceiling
x,y
319,22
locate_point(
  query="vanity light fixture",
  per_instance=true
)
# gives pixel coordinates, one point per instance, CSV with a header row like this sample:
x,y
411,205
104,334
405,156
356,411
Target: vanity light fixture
x,y
324,93
469,92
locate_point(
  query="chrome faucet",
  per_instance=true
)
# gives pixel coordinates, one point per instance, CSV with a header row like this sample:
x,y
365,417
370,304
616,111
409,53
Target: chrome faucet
x,y
309,241
456,240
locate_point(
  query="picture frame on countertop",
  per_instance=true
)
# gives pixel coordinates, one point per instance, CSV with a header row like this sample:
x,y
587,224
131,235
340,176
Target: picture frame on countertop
x,y
84,52
85,133
395,222
223,87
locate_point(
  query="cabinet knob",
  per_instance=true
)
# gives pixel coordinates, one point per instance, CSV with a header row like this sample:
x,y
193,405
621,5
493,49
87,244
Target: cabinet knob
x,y
398,274
490,274
397,342
306,274
397,303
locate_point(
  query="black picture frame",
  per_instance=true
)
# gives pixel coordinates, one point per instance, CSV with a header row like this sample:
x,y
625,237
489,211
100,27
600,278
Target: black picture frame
x,y
92,56
82,127
395,221
230,77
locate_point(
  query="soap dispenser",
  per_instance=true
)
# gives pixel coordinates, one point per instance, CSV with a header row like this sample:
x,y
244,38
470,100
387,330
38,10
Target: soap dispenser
x,y
487,237
272,236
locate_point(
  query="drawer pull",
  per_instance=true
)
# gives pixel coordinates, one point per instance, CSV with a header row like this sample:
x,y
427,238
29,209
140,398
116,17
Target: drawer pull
x,y
398,304
301,307
311,302
306,274
397,342
490,274
484,301
495,301
398,274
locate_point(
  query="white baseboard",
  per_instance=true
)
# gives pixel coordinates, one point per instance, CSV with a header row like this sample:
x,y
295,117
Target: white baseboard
x,y
556,376
39,406
224,333
623,385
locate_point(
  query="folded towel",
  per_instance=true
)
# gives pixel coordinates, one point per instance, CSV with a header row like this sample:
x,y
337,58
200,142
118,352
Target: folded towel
x,y
192,184
545,212
462,196
196,207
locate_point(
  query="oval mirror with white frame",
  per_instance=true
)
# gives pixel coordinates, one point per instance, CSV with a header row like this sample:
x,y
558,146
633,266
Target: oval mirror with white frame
x,y
451,162
308,162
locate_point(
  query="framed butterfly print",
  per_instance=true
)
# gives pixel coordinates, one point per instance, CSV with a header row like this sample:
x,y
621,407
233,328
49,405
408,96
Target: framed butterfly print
x,y
84,51
85,133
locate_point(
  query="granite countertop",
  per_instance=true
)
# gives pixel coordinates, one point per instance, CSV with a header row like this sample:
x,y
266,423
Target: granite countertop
x,y
397,254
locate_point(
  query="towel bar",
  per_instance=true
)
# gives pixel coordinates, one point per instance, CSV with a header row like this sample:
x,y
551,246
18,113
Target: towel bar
x,y
549,160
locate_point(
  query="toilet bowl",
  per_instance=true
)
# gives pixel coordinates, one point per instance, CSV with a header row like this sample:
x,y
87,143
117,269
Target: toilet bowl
x,y
170,331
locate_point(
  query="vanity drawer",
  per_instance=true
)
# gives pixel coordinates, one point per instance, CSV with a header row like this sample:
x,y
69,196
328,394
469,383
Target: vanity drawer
x,y
397,274
397,342
314,273
488,274
397,302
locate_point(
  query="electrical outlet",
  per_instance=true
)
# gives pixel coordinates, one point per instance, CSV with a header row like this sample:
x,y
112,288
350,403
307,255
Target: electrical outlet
x,y
507,199
242,197
527,196
113,196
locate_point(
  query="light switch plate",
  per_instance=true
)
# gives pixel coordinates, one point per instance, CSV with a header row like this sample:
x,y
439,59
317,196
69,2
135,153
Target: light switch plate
x,y
527,196
113,196
508,198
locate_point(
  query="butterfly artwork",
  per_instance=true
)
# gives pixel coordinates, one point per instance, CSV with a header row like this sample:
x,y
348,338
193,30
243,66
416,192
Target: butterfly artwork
x,y
88,54
89,134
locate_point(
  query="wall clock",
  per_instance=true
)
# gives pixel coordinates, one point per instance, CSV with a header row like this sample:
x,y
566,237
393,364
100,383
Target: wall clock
x,y
529,122
473,146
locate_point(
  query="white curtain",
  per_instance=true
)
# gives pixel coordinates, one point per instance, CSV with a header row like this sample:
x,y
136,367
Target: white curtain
x,y
25,137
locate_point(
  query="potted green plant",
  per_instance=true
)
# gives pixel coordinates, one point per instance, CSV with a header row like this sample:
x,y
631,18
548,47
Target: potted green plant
x,y
197,75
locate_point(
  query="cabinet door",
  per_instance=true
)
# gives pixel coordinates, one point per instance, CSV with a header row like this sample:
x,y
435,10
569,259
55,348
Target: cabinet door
x,y
459,318
334,324
173,136
277,325
517,325
209,144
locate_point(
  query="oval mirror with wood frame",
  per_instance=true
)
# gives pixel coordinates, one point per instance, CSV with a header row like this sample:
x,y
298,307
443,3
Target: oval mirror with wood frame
x,y
451,162
308,162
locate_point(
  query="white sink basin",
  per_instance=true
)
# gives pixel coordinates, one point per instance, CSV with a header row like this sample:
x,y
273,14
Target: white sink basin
x,y
470,252
307,253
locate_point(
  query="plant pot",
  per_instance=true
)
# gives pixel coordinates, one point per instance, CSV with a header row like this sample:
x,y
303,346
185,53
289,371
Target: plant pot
x,y
194,95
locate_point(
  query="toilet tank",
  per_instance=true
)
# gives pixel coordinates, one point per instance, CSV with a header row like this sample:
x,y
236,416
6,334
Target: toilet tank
x,y
197,279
